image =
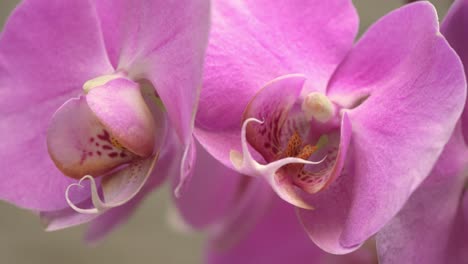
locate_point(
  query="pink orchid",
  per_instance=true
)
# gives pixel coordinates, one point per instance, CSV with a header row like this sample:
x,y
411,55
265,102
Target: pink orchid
x,y
100,91
432,228
348,131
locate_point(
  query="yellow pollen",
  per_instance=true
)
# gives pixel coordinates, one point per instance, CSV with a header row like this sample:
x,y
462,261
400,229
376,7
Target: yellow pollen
x,y
295,149
294,142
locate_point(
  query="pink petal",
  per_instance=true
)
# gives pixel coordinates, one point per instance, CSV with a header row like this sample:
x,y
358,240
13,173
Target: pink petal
x,y
277,237
209,196
48,49
120,107
163,42
253,42
398,131
253,199
455,30
431,227
79,144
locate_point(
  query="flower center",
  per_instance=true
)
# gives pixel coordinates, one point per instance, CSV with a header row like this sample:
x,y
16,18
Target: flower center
x,y
114,131
299,138
110,126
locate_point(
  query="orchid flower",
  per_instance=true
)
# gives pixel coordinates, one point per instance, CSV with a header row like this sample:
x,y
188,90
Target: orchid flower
x,y
433,226
98,102
344,132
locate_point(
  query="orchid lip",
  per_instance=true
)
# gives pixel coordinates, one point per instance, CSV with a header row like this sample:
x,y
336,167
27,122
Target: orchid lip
x,y
246,164
87,138
114,190
288,131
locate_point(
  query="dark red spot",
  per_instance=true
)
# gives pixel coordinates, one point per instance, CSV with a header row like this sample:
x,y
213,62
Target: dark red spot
x,y
91,139
90,153
113,154
97,144
99,153
123,155
104,136
267,145
106,147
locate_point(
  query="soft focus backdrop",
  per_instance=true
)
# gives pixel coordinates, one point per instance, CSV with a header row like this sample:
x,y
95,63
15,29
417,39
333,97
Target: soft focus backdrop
x,y
146,238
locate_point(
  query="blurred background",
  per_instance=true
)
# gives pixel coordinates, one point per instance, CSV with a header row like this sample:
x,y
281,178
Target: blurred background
x,y
147,237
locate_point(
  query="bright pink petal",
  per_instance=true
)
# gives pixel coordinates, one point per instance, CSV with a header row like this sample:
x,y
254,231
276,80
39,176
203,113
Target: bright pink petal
x,y
431,228
253,42
163,42
455,29
79,144
120,107
416,93
48,50
279,238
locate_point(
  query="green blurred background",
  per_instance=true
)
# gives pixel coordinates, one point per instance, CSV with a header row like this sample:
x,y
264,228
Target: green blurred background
x,y
147,237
